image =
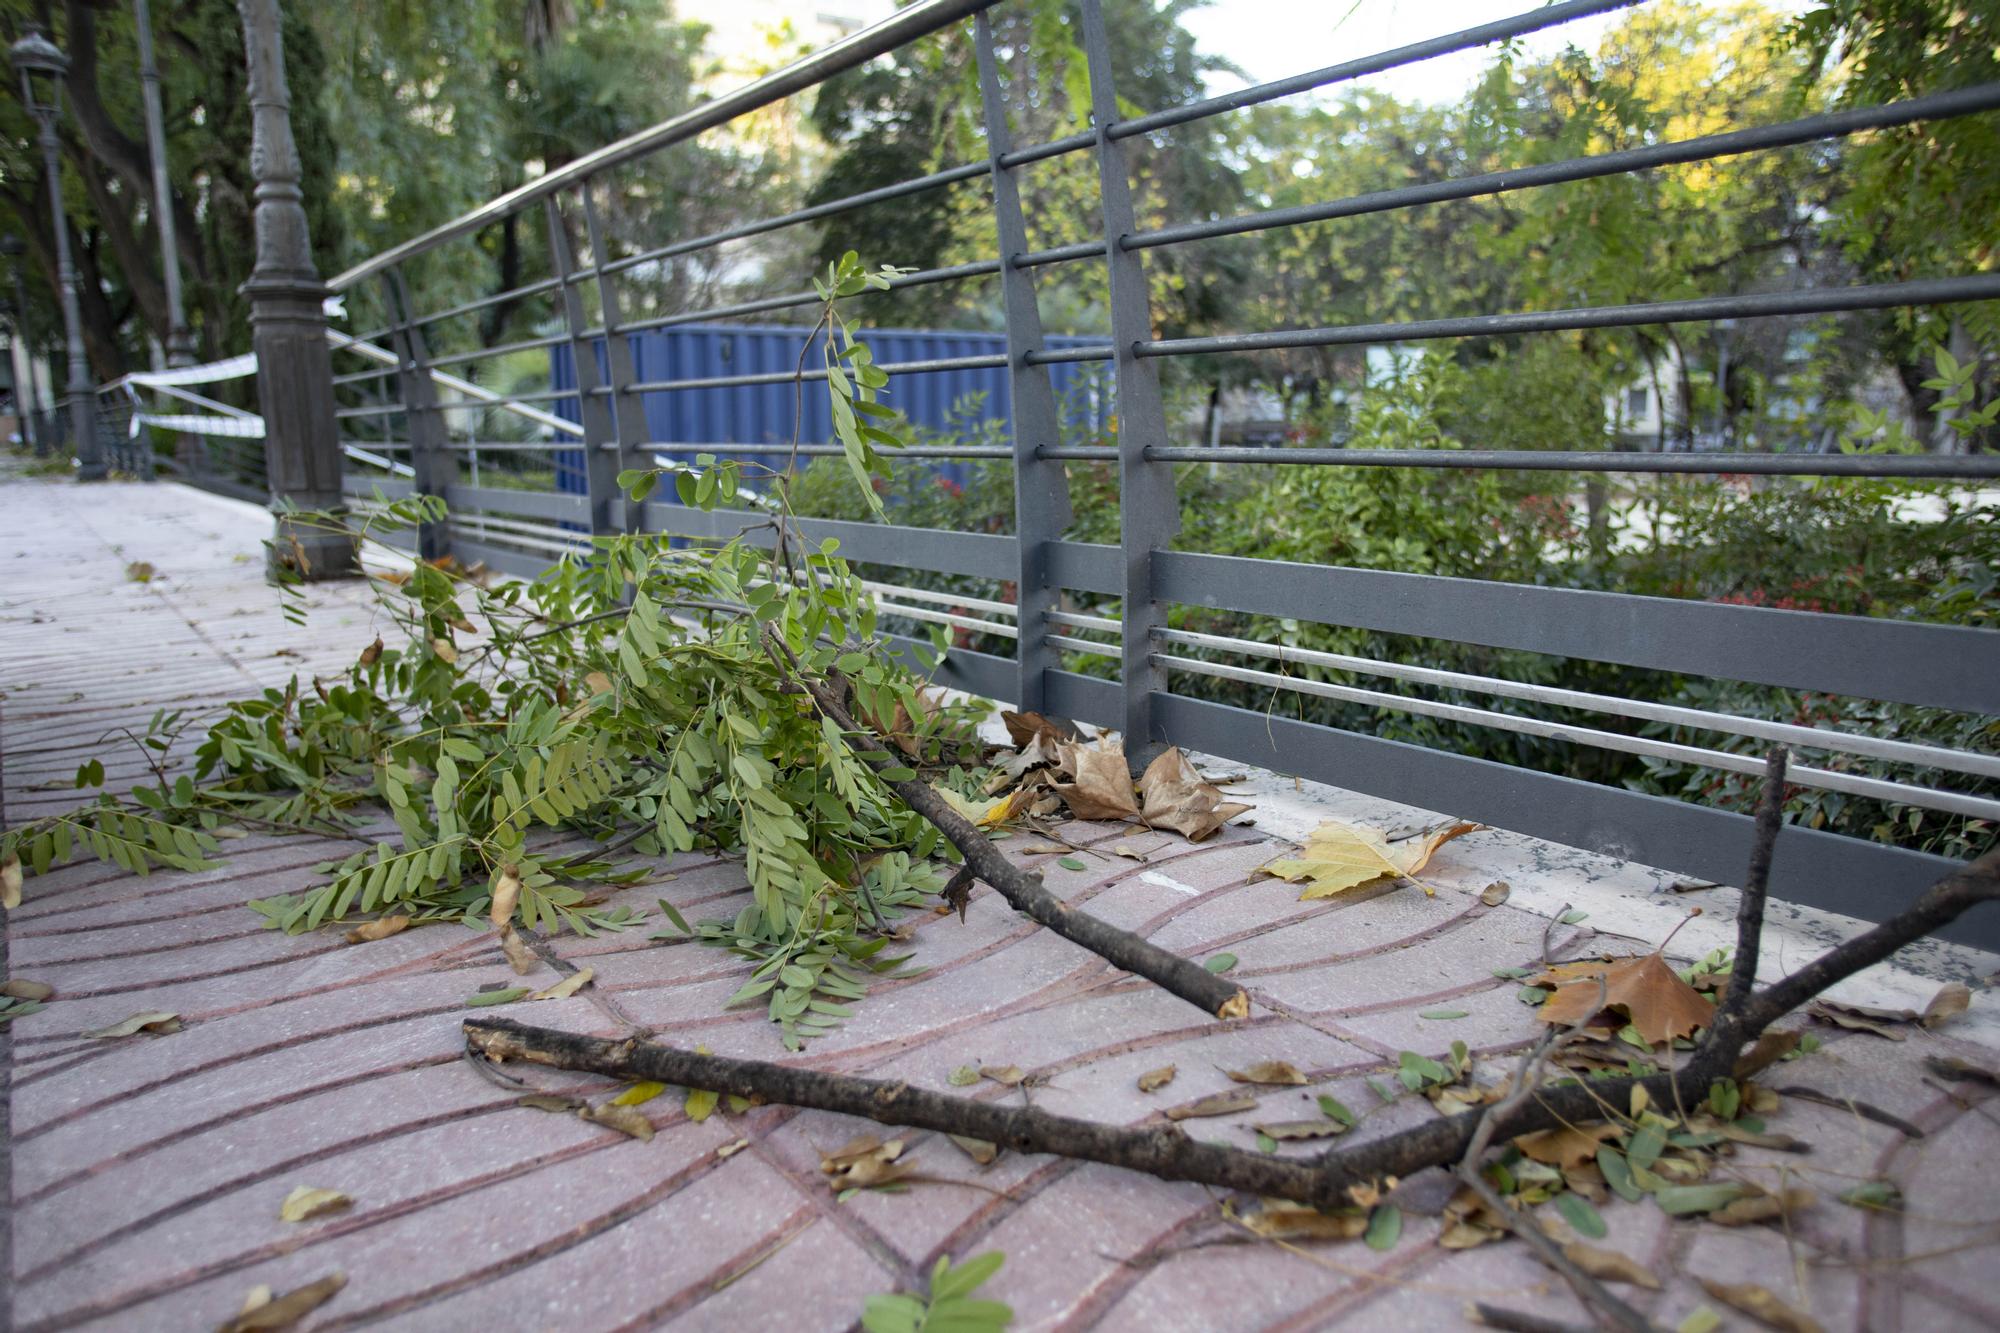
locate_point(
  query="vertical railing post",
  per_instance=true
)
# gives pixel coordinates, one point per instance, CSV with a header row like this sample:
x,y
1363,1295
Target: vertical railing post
x,y
288,325
431,462
595,407
628,412
1041,489
1148,510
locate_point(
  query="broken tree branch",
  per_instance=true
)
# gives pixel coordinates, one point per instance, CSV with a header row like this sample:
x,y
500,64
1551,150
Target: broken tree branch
x,y
1023,890
1750,910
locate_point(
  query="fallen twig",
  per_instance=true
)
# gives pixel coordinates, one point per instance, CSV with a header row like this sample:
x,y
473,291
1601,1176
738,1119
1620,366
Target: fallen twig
x,y
1023,890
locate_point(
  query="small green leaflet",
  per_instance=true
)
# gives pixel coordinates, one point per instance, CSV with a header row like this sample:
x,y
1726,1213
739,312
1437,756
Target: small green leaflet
x,y
1442,1014
1333,1109
1070,863
1576,1211
1385,1227
1222,962
1572,916
486,997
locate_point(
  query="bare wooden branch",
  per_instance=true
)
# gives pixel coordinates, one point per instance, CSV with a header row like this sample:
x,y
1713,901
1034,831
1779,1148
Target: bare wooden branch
x,y
1023,890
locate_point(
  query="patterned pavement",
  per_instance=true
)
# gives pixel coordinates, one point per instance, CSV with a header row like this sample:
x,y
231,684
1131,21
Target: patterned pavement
x,y
145,1174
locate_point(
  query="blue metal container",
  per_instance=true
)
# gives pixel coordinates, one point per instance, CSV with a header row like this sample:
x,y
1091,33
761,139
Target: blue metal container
x,y
764,413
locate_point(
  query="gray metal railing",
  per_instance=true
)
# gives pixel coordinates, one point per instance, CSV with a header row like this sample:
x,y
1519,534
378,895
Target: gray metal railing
x,y
401,408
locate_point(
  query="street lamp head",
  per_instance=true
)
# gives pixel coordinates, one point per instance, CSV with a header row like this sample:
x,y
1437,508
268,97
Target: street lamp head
x,y
41,65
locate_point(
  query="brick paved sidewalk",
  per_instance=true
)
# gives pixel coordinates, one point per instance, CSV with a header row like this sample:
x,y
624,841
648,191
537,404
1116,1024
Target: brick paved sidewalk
x,y
145,1174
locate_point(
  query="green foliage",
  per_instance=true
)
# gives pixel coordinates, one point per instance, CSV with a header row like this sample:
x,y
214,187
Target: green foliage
x,y
950,1307
644,696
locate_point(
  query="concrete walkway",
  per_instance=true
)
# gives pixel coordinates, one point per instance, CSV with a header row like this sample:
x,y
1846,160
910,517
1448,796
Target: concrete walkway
x,y
145,1174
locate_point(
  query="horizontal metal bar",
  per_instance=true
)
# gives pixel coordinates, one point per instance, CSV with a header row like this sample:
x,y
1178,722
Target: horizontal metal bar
x,y
514,446
1783,733
1940,666
513,399
764,305
1050,356
1087,567
946,618
1085,698
906,25
552,541
1088,647
1806,129
904,592
826,450
1083,453
372,410
520,564
1103,624
980,674
391,490
501,349
935,364
1814,301
977,554
1537,460
1804,775
1061,254
360,375
1486,33
1823,870
831,208
511,294
1041,152
540,504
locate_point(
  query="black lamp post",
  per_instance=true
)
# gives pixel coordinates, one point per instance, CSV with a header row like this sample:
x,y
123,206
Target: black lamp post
x,y
41,66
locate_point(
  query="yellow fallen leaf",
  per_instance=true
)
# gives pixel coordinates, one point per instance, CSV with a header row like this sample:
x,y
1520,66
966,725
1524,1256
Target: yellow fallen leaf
x,y
1155,1079
701,1102
1568,1145
1006,1075
506,895
979,1150
1337,857
20,988
1610,1265
156,1022
379,929
1274,1219
10,883
1762,1305
567,987
305,1203
1221,1103
639,1093
624,1119
287,1310
730,1149
519,956
1274,1072
986,814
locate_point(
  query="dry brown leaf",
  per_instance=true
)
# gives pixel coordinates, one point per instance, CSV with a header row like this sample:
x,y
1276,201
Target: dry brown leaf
x,y
625,1119
156,1022
1155,1079
506,895
286,1311
1586,1180
1863,1018
1762,1305
597,683
1610,1265
446,650
1221,1103
1285,1131
1006,1075
20,988
519,956
979,1150
1274,1219
1567,1146
568,986
1951,1001
381,928
1772,1047
550,1101
1337,857
1496,893
10,883
1276,1073
864,1162
1174,796
372,653
1128,851
1652,995
1102,788
1023,728
1469,1221
1763,1207
306,1202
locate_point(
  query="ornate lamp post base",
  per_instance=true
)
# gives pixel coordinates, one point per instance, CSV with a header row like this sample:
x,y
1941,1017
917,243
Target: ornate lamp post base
x,y
302,461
